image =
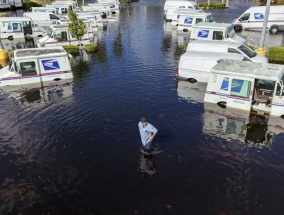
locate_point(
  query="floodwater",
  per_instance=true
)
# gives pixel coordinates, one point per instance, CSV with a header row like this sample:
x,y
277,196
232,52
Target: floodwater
x,y
74,148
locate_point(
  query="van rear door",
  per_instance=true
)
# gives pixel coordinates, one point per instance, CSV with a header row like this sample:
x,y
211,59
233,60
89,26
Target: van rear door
x,y
240,93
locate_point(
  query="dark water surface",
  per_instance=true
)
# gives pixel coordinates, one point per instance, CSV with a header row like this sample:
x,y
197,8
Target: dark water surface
x,y
75,150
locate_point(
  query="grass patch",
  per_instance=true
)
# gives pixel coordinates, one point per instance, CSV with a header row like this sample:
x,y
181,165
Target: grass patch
x,y
276,55
72,49
213,5
91,47
4,14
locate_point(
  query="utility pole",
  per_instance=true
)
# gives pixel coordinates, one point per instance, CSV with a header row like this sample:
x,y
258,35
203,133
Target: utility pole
x,y
261,49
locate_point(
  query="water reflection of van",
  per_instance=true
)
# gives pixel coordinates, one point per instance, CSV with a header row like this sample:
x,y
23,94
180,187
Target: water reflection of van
x,y
196,65
247,86
253,18
226,47
18,27
191,92
187,21
214,31
255,130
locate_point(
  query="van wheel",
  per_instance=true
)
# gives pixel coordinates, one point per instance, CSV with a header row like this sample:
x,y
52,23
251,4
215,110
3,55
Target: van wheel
x,y
282,116
192,80
185,30
222,104
10,38
274,30
57,79
238,28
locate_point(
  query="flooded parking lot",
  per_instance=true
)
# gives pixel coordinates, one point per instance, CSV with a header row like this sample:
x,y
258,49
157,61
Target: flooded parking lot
x,y
74,148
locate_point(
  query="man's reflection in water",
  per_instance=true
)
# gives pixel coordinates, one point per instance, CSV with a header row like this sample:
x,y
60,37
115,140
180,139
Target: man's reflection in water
x,y
147,165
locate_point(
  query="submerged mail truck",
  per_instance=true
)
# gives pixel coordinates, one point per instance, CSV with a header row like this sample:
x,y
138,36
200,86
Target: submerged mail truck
x,y
196,65
247,86
252,19
186,22
36,65
214,31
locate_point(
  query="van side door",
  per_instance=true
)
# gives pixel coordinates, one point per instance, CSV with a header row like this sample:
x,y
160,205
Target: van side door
x,y
277,107
240,93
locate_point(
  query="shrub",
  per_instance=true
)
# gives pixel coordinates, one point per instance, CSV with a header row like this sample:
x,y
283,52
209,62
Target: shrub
x,y
213,5
27,4
71,49
4,14
91,47
276,55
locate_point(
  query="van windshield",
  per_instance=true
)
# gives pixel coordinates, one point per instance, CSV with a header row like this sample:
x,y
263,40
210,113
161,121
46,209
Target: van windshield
x,y
196,7
250,53
231,31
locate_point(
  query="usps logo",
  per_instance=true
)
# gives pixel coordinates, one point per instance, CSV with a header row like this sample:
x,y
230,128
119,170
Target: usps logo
x,y
259,16
112,6
51,64
188,21
178,16
203,33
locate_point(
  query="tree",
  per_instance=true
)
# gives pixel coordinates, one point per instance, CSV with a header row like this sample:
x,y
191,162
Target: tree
x,y
76,27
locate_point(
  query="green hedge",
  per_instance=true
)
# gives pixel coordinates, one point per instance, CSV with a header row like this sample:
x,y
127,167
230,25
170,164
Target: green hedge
x,y
27,4
91,47
213,5
276,55
71,49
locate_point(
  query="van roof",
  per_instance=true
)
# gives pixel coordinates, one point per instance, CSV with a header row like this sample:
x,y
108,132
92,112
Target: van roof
x,y
212,25
216,43
186,10
39,52
194,14
37,13
220,55
5,19
266,71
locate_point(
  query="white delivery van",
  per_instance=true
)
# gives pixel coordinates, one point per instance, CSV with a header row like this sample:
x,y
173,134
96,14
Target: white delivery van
x,y
60,35
90,15
61,8
92,31
18,27
44,9
112,7
171,5
16,3
36,65
214,31
177,13
43,18
252,19
5,4
247,86
187,21
73,4
225,47
196,66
